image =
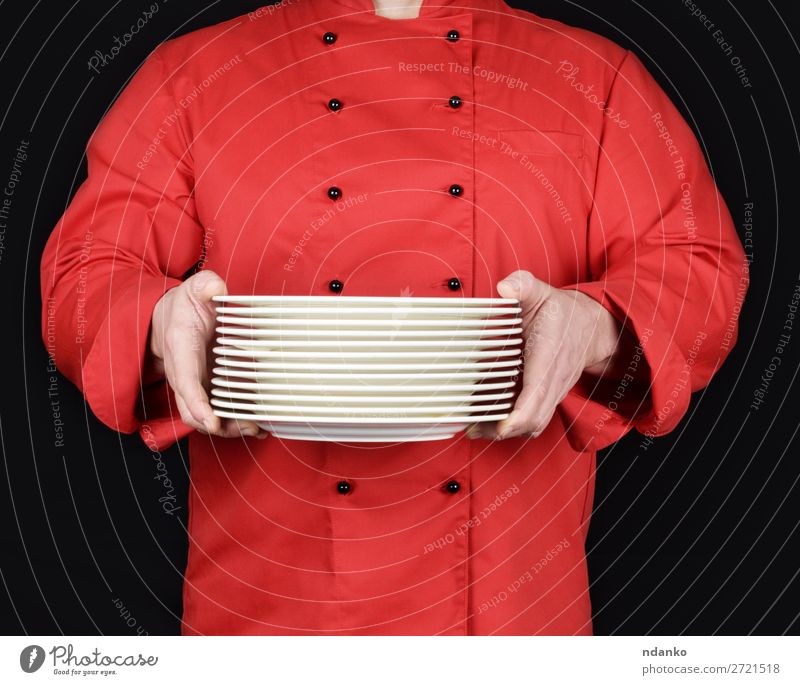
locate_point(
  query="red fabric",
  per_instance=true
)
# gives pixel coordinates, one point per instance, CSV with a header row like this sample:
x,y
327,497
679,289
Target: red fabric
x,y
574,165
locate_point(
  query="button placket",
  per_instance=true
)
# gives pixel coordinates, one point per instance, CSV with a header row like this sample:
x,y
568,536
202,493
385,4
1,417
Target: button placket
x,y
459,109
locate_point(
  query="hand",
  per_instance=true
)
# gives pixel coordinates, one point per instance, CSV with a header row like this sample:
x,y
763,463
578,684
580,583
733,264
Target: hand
x,y
181,333
566,333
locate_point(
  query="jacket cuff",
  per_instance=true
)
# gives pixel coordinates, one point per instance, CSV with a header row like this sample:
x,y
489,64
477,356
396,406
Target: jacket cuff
x,y
113,370
653,393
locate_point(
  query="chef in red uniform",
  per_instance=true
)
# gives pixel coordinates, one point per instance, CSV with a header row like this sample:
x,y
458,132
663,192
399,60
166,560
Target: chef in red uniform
x,y
448,148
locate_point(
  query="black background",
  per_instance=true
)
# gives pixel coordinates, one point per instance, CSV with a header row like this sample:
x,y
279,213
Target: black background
x,y
697,534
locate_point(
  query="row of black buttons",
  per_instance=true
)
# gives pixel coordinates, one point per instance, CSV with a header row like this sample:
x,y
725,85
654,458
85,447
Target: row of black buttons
x,y
329,38
335,193
336,286
334,104
343,487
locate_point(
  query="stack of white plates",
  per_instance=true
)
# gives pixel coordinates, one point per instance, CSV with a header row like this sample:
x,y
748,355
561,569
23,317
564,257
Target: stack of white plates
x,y
365,369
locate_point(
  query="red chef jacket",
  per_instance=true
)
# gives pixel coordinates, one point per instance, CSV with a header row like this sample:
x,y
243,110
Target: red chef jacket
x,y
574,165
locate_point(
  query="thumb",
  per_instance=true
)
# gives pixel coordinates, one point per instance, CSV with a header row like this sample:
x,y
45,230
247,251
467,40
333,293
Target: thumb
x,y
205,285
525,287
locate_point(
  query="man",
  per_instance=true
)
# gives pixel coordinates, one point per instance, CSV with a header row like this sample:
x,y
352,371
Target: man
x,y
448,147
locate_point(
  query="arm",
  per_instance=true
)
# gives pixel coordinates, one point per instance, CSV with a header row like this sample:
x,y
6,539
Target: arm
x,y
128,237
626,349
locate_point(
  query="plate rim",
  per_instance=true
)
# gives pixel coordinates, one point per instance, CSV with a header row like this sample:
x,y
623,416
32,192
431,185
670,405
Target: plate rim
x,y
365,344
360,388
368,366
237,373
358,299
422,323
339,411
266,311
483,418
345,399
320,356
479,333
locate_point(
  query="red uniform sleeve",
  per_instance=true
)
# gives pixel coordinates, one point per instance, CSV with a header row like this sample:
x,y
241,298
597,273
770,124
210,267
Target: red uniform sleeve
x,y
665,259
128,236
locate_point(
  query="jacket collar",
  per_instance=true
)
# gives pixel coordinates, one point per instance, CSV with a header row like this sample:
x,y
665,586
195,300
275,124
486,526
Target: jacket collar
x,y
429,8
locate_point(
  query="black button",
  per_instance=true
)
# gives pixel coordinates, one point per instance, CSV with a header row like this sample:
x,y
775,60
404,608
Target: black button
x,y
453,35
454,284
455,102
334,193
453,487
343,487
336,286
334,105
329,38
456,190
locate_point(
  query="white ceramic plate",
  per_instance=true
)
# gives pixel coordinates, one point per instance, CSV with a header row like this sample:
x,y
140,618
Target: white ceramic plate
x,y
433,411
359,433
400,323
424,377
367,345
367,312
366,366
250,300
422,422
387,438
362,399
282,334
391,434
360,388
311,356
359,430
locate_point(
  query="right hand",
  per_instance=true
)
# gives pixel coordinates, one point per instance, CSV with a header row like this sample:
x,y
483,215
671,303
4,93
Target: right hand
x,y
181,334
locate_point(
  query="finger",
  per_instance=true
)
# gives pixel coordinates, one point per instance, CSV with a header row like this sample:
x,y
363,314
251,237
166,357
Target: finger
x,y
206,285
525,287
538,389
537,404
235,428
203,288
186,415
487,431
522,418
194,310
185,373
473,431
541,358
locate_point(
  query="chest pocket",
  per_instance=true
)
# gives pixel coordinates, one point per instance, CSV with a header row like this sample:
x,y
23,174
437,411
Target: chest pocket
x,y
551,173
568,146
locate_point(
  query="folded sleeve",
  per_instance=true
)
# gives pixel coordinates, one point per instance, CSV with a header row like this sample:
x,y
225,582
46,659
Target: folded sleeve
x,y
665,260
129,235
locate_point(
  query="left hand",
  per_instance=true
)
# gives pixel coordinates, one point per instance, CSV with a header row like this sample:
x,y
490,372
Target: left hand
x,y
566,334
